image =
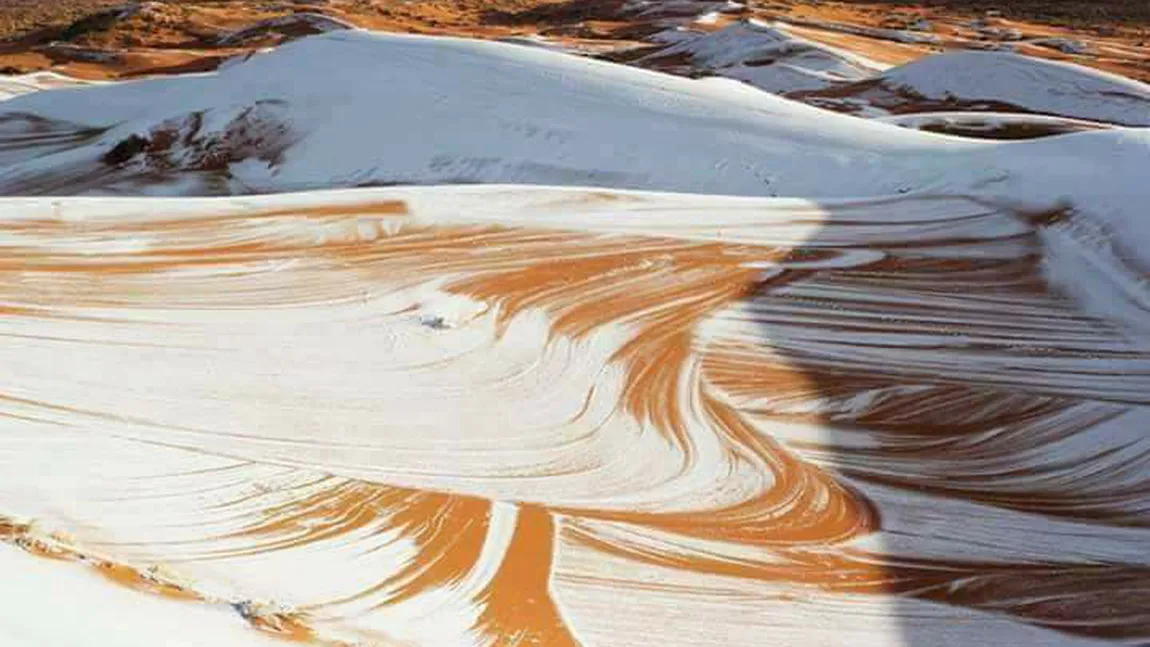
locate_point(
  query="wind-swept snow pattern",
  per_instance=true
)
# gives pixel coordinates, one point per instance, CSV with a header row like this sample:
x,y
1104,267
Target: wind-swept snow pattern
x,y
851,383
14,86
502,415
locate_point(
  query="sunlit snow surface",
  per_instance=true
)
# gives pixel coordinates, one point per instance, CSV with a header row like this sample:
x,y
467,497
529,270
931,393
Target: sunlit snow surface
x,y
905,405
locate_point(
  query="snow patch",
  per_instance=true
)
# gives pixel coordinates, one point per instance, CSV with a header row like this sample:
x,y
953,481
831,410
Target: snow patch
x,y
1034,84
765,56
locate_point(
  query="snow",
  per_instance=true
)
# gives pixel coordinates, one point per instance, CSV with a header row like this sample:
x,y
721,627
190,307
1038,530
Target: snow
x,y
998,33
989,120
311,22
768,57
372,108
361,108
1035,84
896,35
195,385
61,604
176,408
1067,45
14,86
542,42
672,35
677,8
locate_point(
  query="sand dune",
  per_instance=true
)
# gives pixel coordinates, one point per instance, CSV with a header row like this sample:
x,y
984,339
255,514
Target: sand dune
x,y
1001,80
376,416
773,57
578,353
762,55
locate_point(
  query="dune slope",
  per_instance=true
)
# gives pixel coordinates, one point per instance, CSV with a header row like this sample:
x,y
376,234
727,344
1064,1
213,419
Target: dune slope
x,y
359,109
698,365
466,415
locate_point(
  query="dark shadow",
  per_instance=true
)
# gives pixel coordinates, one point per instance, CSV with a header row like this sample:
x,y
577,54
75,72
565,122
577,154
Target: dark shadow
x,y
991,422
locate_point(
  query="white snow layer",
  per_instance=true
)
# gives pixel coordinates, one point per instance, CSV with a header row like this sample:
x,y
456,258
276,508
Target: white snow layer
x,y
86,610
770,58
1035,84
366,108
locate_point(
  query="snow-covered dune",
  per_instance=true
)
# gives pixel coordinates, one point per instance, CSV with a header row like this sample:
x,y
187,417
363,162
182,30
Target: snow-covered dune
x,y
482,415
294,25
354,108
1035,84
765,56
16,85
889,388
1000,79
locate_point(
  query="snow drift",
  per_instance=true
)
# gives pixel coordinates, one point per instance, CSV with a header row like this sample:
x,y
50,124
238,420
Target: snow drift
x,y
475,415
765,56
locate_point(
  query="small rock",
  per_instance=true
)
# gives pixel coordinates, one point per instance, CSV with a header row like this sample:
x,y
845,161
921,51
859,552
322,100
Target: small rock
x,y
434,322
